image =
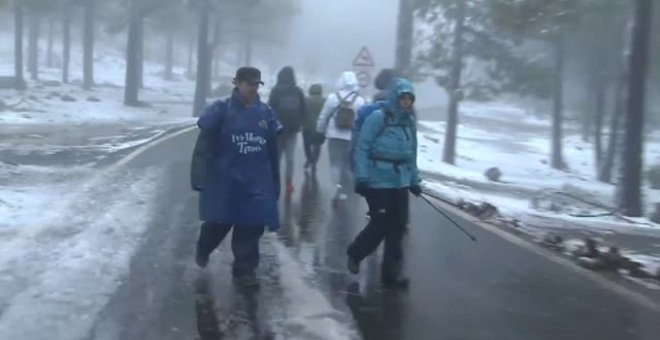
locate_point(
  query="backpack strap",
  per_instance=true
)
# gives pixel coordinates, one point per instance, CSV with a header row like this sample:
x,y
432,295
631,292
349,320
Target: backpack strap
x,y
387,115
345,99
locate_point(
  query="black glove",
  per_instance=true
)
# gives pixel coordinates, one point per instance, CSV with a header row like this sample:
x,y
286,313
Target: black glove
x,y
361,188
416,190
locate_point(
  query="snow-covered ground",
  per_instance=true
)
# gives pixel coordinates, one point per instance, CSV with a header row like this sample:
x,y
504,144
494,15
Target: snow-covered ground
x,y
69,224
65,246
520,147
503,136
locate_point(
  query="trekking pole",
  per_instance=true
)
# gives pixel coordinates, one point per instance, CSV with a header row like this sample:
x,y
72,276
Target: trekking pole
x,y
423,196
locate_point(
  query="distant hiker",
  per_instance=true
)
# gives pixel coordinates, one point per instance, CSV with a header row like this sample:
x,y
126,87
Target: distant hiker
x,y
336,123
236,169
288,102
382,83
312,139
385,170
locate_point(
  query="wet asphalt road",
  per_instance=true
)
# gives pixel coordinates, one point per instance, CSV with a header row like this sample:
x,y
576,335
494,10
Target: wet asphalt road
x,y
459,290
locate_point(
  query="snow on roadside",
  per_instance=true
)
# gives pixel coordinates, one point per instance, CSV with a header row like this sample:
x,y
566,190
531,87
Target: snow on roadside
x,y
523,159
60,264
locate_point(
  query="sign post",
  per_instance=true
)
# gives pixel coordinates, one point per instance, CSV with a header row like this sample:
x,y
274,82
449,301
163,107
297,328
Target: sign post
x,y
363,65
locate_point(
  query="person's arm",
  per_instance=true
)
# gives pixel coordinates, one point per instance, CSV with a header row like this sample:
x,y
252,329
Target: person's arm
x,y
274,128
416,180
198,162
366,137
273,98
303,106
213,116
326,112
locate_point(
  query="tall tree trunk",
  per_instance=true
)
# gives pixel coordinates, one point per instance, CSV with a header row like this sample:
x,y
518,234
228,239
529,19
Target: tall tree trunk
x,y
213,52
33,46
201,87
588,115
605,173
191,53
631,199
216,65
404,35
88,44
140,54
132,87
598,126
169,55
19,80
247,61
558,106
51,37
66,42
455,92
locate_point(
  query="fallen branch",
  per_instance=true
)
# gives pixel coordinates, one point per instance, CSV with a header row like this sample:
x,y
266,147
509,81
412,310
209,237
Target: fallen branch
x,y
611,211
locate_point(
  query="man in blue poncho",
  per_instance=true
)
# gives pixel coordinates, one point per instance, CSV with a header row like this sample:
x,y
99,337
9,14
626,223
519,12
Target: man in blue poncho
x,y
236,170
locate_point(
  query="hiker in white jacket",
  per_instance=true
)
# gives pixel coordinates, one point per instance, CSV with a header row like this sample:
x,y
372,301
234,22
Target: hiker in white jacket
x,y
338,134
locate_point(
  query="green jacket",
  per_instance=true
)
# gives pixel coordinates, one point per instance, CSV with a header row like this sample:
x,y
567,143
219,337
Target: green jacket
x,y
314,105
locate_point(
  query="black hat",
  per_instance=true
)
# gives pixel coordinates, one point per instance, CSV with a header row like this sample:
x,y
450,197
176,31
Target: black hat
x,y
249,74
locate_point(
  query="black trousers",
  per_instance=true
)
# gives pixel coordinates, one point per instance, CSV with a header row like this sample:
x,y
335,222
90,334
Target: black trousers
x,y
244,244
388,211
312,146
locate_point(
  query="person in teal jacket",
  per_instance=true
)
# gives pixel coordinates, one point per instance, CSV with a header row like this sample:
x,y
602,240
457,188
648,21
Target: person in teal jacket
x,y
385,172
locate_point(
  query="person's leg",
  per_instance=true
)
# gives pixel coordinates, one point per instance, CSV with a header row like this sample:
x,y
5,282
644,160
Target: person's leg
x,y
308,146
316,153
290,150
210,236
391,272
335,154
245,245
317,142
373,234
346,164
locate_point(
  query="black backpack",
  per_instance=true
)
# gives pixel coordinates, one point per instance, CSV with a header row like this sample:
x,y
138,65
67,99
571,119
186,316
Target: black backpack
x,y
289,108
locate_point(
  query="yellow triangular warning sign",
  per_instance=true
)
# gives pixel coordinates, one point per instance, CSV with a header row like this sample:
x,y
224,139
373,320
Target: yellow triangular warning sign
x,y
364,58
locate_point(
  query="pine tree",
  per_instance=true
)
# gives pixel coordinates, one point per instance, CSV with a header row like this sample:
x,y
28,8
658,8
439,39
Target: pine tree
x,y
630,201
465,35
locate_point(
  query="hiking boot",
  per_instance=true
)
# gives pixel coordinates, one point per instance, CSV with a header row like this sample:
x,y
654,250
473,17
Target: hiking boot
x,y
353,265
399,282
201,259
247,281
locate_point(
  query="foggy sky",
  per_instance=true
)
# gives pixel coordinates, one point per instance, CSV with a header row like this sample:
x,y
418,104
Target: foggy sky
x,y
333,32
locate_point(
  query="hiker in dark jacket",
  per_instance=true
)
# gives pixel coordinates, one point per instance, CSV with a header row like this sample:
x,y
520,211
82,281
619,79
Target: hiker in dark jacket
x,y
312,139
382,83
235,169
288,102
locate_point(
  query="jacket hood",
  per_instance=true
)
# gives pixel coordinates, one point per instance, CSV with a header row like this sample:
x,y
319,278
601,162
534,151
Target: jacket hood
x,y
316,90
348,82
399,86
286,76
384,78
